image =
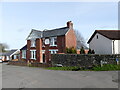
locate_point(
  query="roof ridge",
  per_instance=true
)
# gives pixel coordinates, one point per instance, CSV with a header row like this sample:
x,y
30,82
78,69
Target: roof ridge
x,y
36,30
56,28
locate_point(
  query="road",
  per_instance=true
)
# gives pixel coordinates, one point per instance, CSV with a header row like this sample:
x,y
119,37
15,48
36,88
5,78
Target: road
x,y
29,77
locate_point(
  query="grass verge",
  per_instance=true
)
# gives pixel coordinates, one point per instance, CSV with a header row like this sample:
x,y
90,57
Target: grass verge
x,y
107,67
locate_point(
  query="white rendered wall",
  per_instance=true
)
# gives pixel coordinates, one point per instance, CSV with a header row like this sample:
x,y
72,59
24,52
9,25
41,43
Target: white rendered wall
x,y
116,46
102,45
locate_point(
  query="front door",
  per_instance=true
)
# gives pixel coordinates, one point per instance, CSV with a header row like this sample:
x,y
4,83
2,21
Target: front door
x,y
43,58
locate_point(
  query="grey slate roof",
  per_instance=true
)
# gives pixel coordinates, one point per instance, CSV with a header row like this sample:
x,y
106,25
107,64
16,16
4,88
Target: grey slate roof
x,y
37,33
24,47
55,32
9,52
48,33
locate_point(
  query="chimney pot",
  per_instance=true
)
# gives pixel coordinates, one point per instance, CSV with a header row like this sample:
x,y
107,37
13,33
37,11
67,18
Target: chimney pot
x,y
69,24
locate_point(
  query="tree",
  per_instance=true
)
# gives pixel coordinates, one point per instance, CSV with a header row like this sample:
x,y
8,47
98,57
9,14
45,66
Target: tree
x,y
80,40
3,47
82,51
91,51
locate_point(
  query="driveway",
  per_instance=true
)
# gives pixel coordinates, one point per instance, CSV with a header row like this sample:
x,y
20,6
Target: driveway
x,y
29,77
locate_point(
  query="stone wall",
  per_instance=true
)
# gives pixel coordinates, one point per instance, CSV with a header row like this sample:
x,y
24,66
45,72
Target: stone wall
x,y
87,60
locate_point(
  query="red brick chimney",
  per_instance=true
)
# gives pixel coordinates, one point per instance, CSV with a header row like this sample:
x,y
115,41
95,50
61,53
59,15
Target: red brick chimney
x,y
69,24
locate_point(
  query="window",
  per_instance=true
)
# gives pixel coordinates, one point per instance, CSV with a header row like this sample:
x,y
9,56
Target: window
x,y
24,54
53,51
97,36
33,43
7,58
43,51
53,41
33,54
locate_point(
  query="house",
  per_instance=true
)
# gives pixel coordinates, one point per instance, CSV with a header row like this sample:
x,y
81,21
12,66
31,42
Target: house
x,y
42,44
10,55
105,42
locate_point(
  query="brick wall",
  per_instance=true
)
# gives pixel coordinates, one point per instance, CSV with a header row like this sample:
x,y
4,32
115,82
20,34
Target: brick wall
x,y
70,39
61,44
38,50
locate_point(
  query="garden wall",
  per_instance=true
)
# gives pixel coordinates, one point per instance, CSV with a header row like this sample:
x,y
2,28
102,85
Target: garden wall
x,y
86,60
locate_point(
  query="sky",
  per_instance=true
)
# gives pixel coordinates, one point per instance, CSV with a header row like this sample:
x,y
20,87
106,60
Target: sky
x,y
18,18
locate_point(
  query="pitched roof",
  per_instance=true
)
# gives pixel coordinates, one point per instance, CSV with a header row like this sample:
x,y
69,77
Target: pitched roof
x,y
48,33
9,52
24,47
55,32
110,34
35,34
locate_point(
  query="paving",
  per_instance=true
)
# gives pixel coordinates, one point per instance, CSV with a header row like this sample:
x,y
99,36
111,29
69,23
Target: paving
x,y
31,77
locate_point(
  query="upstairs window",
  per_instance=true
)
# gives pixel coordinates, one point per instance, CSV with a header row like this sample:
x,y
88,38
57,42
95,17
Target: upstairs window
x,y
33,44
53,41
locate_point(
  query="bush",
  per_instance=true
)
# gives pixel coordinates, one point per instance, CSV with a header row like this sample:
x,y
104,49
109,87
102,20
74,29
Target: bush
x,y
71,50
82,51
91,51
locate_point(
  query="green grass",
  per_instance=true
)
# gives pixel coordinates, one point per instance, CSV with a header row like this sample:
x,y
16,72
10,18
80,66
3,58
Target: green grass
x,y
108,67
65,68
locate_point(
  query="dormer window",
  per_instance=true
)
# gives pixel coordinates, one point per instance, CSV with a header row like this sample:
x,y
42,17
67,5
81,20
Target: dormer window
x,y
33,44
53,41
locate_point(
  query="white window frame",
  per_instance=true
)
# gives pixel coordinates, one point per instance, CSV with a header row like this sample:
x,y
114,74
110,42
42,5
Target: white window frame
x,y
24,54
33,54
15,56
33,43
7,58
53,51
43,51
52,41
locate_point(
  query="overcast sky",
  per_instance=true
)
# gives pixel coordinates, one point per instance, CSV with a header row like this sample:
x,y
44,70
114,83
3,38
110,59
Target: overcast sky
x,y
18,18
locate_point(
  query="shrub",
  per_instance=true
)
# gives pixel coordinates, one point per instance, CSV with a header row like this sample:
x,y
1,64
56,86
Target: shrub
x,y
82,51
71,50
91,51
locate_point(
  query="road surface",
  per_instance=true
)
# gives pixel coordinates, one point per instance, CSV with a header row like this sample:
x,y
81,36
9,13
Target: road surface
x,y
31,77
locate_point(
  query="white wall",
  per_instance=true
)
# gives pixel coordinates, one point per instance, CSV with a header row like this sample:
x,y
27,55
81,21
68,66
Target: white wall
x,y
102,45
119,46
116,46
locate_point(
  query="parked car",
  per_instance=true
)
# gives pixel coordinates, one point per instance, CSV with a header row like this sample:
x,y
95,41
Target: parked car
x,y
0,59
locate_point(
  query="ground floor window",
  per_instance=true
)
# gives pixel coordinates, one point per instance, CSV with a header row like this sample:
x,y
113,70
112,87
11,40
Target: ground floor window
x,y
7,58
33,54
24,54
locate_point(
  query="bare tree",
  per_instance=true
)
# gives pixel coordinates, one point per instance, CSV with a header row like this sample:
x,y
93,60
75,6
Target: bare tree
x,y
3,46
80,40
